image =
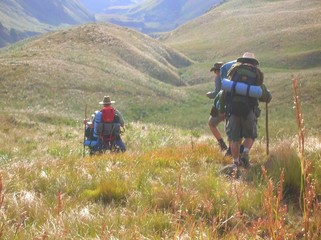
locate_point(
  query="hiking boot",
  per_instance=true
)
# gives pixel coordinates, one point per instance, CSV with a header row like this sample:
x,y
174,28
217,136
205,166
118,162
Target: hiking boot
x,y
237,163
231,170
222,144
245,160
228,152
241,148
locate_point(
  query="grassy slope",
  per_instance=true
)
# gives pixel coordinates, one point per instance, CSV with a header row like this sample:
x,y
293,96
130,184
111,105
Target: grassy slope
x,y
61,71
167,185
85,63
284,35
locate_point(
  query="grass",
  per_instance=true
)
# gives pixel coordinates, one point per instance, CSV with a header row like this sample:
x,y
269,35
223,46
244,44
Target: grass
x,y
164,87
167,185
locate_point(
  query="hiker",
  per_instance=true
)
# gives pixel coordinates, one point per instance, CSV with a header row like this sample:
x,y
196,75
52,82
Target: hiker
x,y
242,110
223,73
91,139
225,68
89,131
215,116
111,114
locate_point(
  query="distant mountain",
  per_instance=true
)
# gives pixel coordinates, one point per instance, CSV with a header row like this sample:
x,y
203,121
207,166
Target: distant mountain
x,y
98,6
151,16
22,18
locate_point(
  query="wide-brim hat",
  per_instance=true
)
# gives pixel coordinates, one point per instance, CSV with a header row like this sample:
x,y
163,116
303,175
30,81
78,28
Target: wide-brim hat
x,y
216,66
106,101
248,57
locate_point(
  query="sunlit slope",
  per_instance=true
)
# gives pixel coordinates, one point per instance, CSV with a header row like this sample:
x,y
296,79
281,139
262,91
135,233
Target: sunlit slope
x,y
285,33
63,70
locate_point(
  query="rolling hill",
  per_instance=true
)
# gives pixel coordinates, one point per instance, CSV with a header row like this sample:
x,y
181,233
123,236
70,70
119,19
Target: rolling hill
x,y
60,72
23,18
284,35
281,32
169,184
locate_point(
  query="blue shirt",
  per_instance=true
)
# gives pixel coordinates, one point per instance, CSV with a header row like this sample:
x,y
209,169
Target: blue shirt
x,y
225,68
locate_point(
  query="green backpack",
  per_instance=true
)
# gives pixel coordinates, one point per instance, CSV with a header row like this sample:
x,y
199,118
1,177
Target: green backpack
x,y
237,104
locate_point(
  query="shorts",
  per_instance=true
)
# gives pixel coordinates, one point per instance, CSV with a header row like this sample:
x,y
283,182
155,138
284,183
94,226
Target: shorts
x,y
215,120
241,127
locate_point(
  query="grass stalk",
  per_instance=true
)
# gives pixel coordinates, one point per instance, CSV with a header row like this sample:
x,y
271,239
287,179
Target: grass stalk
x,y
311,207
299,121
59,199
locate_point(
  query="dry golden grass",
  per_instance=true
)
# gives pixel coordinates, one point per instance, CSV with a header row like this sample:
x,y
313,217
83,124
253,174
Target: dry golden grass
x,y
166,185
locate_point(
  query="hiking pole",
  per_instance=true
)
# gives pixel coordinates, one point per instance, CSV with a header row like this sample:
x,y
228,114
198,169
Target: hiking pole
x,y
267,128
84,150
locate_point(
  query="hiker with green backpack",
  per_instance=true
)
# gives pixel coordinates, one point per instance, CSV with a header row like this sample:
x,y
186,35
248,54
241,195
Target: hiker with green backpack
x,y
242,92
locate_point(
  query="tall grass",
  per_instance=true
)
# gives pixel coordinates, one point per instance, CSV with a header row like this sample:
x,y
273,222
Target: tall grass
x,y
310,202
166,186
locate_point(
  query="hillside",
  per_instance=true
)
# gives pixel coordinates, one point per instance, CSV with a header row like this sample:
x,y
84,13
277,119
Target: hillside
x,y
24,18
169,183
61,71
152,16
284,35
281,32
152,82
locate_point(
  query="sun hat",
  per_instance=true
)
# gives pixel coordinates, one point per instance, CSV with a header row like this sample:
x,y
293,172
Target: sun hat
x,y
106,101
248,57
216,66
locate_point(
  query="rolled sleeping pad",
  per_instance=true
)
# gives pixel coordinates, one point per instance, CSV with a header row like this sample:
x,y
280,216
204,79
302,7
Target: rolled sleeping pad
x,y
97,120
241,88
90,143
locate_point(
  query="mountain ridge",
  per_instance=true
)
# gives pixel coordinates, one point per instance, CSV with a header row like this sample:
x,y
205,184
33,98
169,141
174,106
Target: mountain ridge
x,y
157,15
24,18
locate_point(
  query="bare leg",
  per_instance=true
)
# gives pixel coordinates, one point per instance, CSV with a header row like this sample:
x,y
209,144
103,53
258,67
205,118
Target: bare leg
x,y
248,143
235,149
214,130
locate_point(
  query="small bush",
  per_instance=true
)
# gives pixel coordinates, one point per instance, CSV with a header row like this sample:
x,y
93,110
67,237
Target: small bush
x,y
286,158
108,191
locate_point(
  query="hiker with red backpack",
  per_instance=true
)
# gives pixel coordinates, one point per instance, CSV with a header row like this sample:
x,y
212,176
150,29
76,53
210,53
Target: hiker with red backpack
x,y
103,131
112,115
240,103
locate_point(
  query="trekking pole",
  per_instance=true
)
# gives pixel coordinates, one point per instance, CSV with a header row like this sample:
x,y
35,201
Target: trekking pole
x,y
267,128
84,150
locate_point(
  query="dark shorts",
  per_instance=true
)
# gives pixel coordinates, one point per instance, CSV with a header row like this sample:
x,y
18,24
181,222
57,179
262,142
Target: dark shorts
x,y
241,127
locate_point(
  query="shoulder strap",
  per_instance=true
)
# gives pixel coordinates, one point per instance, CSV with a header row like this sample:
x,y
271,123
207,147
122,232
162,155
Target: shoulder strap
x,y
232,70
260,76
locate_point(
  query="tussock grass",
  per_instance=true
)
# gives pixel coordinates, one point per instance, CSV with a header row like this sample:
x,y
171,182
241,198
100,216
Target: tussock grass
x,y
167,185
167,188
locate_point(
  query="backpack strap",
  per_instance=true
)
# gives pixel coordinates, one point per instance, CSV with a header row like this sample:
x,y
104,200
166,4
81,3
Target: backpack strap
x,y
231,72
248,90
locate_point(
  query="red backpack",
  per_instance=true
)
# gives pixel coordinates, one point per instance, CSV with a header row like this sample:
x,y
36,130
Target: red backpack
x,y
108,114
